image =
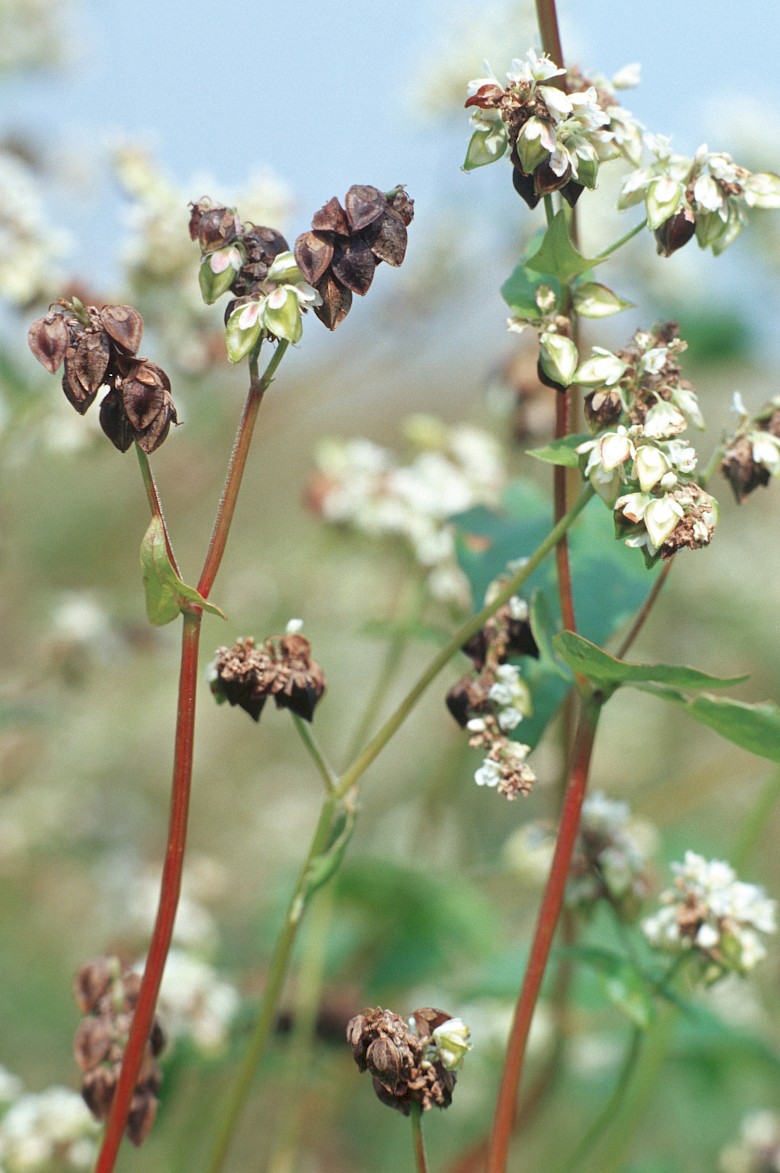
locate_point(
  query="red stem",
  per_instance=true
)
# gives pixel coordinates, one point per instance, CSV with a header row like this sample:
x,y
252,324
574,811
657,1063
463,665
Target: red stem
x,y
547,19
549,912
169,897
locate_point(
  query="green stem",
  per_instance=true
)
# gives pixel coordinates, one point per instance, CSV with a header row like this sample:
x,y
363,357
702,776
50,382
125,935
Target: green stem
x,y
607,252
155,505
325,770
361,763
755,823
276,976
546,924
632,1105
420,1160
711,466
396,646
610,1109
258,385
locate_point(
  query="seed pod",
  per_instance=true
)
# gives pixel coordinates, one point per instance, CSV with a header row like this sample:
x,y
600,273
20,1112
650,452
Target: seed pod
x,y
87,361
114,421
48,340
313,254
353,265
388,237
675,232
364,204
124,325
336,302
331,218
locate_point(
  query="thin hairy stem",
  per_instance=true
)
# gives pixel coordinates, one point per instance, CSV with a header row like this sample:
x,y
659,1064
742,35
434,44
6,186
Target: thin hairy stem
x,y
603,1120
549,913
420,1160
455,643
155,505
169,897
276,977
325,770
644,611
258,386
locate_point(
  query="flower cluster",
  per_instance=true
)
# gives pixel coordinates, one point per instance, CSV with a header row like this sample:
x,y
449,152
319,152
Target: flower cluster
x,y
411,1062
752,455
256,264
706,196
108,998
491,700
364,486
345,245
158,257
758,1147
712,915
281,668
556,135
639,406
610,860
38,1128
99,351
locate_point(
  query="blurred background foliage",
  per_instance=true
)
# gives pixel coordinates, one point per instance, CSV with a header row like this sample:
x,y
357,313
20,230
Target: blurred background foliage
x,y
435,901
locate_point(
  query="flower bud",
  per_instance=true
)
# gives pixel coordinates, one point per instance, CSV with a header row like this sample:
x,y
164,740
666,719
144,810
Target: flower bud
x,y
661,518
530,152
663,200
762,190
603,368
218,271
282,314
615,448
558,357
453,1042
650,465
592,300
244,327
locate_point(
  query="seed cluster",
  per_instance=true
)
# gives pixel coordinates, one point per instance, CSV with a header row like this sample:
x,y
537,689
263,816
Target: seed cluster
x,y
281,668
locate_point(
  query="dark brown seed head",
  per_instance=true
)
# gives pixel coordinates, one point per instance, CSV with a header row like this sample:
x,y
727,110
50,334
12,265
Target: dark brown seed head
x,y
675,232
124,325
336,301
114,421
313,254
331,218
93,979
48,340
364,204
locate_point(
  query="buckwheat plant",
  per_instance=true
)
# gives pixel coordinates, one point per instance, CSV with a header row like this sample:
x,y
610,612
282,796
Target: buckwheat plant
x,y
526,595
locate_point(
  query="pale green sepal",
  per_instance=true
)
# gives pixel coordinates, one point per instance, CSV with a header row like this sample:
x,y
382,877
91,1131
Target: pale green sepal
x,y
592,300
762,190
213,285
166,594
479,153
284,320
558,356
239,342
284,270
664,197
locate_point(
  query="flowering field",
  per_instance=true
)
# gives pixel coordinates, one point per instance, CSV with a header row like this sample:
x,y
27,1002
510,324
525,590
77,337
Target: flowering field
x,y
475,752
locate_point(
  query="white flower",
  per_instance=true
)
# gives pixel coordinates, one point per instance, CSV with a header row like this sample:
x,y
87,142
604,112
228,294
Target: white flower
x,y
453,1042
488,774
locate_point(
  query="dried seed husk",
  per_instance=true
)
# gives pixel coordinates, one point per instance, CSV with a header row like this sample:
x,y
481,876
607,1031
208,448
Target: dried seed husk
x,y
353,265
331,218
48,340
124,325
313,253
114,421
89,359
364,204
388,237
74,391
152,437
403,205
336,301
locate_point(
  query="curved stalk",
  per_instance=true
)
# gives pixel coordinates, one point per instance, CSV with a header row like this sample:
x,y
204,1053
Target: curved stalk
x,y
155,505
547,921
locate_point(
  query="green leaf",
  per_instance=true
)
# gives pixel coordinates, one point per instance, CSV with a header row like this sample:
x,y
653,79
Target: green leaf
x,y
561,451
609,582
543,626
519,292
753,727
557,256
590,661
166,594
624,985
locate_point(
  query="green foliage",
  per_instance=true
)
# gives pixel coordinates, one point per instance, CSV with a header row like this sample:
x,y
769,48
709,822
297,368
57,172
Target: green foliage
x,y
166,595
556,256
598,666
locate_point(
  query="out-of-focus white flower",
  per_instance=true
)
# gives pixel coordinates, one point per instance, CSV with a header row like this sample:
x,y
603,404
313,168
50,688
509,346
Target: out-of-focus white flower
x,y
610,861
42,1126
30,249
363,485
711,913
758,1147
195,1002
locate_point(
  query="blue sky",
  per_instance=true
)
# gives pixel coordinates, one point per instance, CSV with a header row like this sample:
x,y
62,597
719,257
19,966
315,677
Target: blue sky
x,y
333,94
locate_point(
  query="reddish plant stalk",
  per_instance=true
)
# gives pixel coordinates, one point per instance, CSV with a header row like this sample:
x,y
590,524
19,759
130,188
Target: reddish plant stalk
x,y
169,897
644,610
549,913
547,19
170,886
